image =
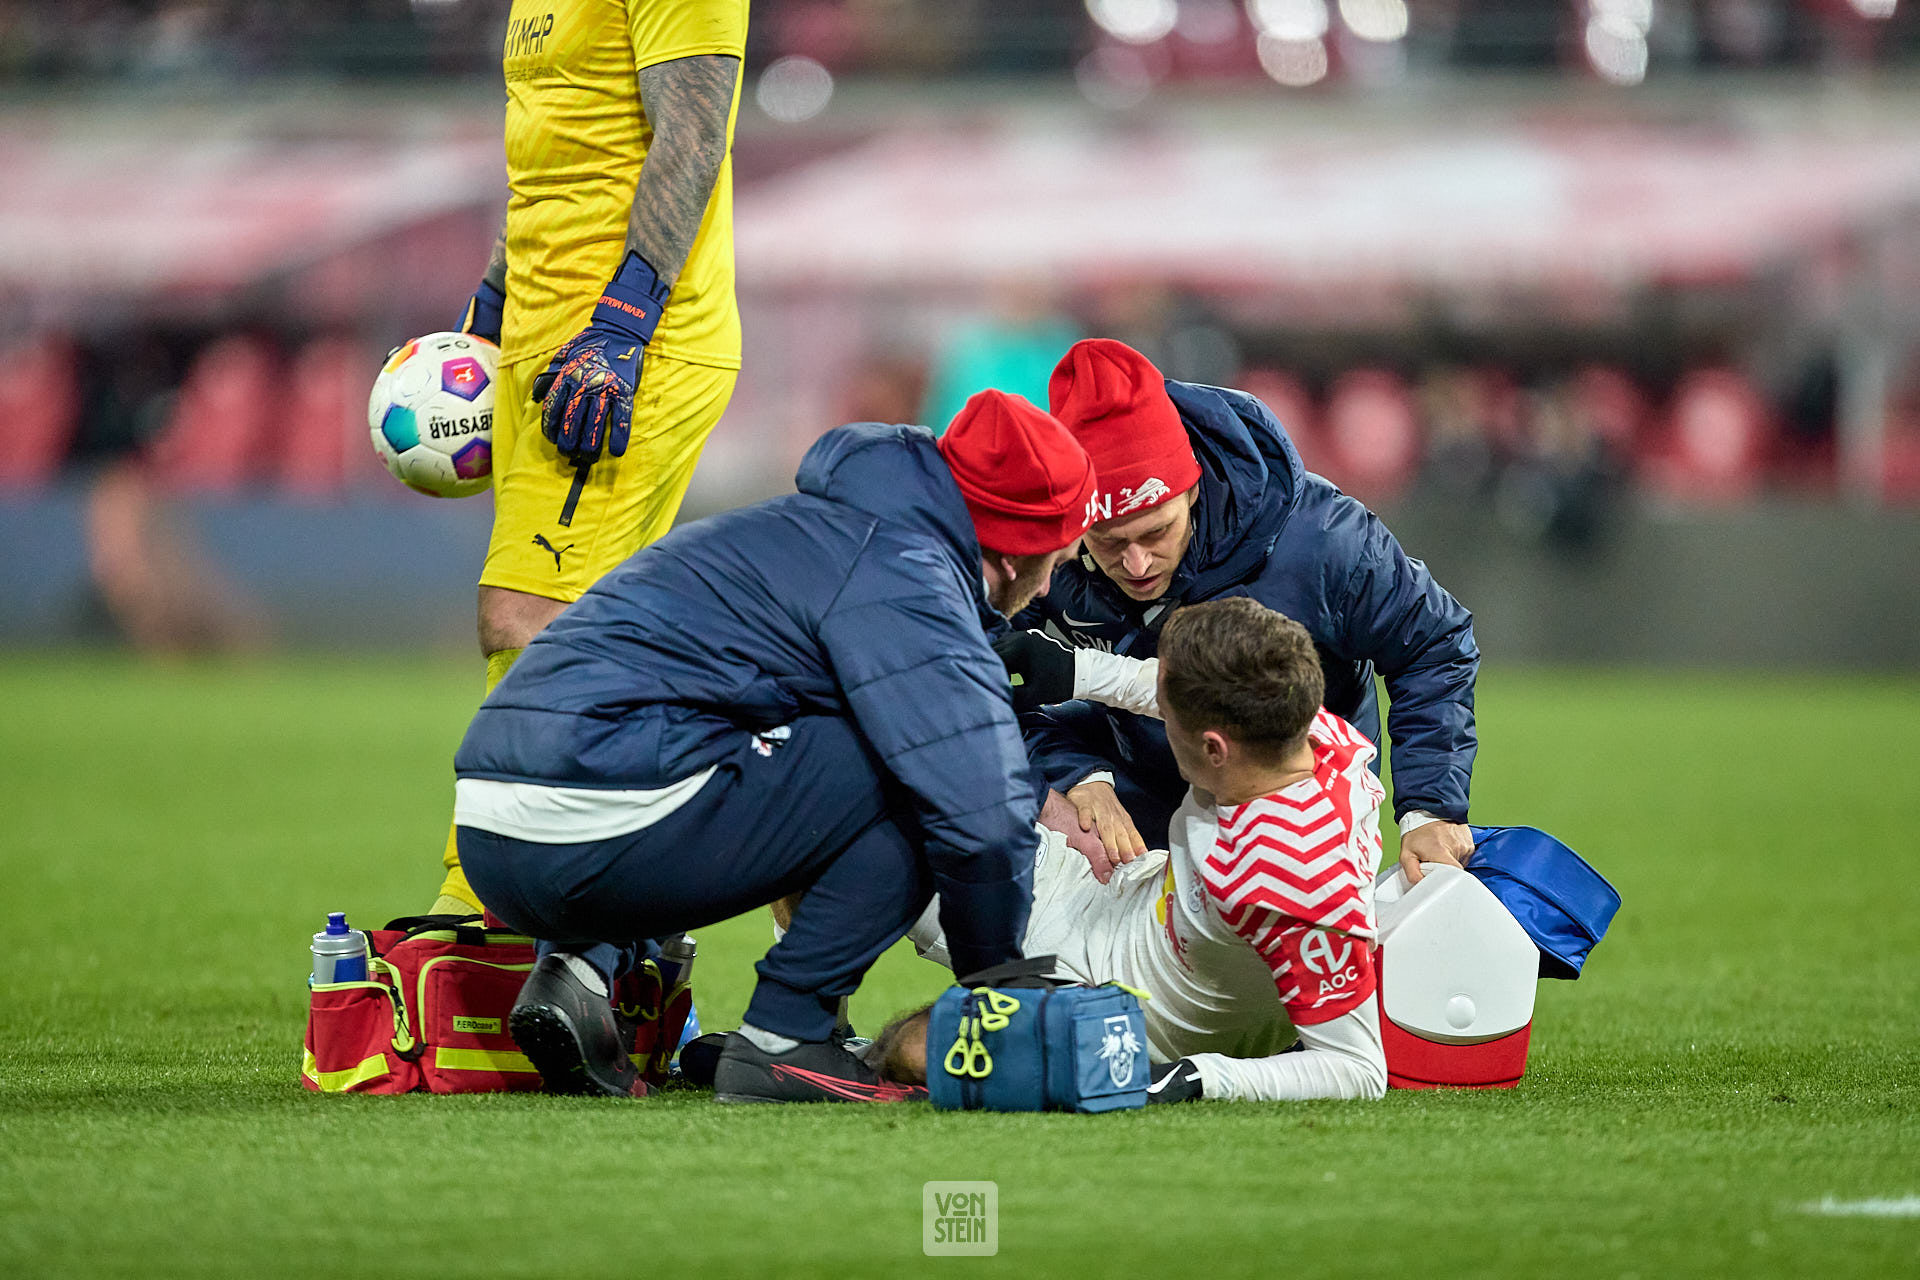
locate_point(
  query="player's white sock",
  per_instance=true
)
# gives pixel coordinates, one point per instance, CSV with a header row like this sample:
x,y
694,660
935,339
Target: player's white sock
x,y
768,1041
588,975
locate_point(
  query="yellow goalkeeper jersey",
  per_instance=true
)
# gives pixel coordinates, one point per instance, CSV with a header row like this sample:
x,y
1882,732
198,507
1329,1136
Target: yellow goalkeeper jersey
x,y
576,137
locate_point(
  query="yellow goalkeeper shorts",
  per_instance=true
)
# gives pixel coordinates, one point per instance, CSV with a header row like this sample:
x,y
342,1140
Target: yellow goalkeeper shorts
x,y
626,502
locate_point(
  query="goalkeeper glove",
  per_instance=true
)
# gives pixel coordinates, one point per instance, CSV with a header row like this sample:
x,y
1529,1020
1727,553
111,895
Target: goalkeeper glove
x,y
1176,1082
587,389
483,314
1040,667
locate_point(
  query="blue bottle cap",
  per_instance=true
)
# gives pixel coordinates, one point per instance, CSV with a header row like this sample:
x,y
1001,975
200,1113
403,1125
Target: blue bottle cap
x,y
337,923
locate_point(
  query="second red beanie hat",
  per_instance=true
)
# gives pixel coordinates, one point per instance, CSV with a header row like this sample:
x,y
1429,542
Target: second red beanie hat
x,y
1115,403
1027,484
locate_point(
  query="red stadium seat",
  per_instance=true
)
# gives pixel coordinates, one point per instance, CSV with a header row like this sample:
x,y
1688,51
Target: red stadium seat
x,y
326,411
220,424
1373,434
1900,461
1716,439
1500,406
1292,403
39,409
1611,407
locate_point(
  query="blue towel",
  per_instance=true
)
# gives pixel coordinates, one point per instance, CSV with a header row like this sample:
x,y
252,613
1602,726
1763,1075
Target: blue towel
x,y
1561,901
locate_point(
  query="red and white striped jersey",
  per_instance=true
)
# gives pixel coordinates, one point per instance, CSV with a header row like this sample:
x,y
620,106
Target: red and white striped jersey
x,y
1253,925
1290,866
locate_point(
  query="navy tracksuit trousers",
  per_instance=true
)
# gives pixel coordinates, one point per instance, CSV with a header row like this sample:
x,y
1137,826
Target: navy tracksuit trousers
x,y
815,812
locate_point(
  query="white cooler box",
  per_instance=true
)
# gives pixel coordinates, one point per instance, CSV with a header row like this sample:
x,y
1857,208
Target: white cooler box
x,y
1457,978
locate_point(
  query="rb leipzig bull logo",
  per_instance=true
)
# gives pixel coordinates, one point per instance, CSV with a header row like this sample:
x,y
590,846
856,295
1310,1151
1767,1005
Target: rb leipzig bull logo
x,y
1149,491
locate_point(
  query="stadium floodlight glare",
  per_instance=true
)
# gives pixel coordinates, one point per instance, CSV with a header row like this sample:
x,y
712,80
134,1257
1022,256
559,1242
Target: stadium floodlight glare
x,y
1876,9
1636,13
1617,49
1382,21
1290,20
1134,21
1208,21
1294,63
793,89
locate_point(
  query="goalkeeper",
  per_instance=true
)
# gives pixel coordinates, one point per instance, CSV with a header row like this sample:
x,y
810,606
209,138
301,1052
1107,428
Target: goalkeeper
x,y
1258,921
610,292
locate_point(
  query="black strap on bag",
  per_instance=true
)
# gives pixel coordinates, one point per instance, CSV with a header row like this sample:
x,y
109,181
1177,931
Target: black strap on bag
x,y
468,930
1034,971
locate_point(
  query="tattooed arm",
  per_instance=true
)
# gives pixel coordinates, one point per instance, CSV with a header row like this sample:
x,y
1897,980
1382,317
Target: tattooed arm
x,y
486,308
688,101
587,390
496,274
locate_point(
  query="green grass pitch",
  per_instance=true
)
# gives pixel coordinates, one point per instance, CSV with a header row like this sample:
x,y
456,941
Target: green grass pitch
x,y
1744,1045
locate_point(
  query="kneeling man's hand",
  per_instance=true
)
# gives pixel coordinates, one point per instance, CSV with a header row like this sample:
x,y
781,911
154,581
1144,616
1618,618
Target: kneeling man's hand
x,y
1057,814
1099,810
1447,843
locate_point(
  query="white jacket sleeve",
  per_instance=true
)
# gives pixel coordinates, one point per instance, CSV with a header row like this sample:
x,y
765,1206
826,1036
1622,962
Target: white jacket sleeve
x,y
927,938
1131,684
1342,1059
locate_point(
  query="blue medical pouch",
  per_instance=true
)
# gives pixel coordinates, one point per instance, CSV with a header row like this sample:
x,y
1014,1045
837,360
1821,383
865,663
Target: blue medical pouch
x,y
1037,1048
1561,901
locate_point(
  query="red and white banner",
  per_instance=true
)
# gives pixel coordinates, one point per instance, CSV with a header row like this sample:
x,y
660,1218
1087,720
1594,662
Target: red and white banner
x,y
1456,206
133,214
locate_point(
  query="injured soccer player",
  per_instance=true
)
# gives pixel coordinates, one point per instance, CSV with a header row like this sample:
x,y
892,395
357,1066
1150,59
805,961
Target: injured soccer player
x,y
1252,934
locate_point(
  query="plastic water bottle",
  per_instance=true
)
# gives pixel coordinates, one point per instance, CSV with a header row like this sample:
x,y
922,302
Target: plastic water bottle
x,y
676,960
676,967
339,953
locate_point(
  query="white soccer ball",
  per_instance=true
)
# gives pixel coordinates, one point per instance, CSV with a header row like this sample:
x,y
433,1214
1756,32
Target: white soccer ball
x,y
431,414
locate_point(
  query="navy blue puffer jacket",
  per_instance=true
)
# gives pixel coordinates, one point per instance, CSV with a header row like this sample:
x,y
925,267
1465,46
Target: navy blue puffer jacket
x,y
1266,527
859,596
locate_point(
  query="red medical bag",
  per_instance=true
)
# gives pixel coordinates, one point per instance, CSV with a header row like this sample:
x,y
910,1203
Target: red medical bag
x,y
432,1014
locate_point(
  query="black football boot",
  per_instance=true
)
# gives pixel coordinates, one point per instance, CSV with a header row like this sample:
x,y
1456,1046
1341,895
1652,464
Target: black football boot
x,y
571,1035
700,1058
808,1072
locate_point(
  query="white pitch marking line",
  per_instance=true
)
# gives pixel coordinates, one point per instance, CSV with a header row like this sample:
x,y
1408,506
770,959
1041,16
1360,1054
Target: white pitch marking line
x,y
1904,1207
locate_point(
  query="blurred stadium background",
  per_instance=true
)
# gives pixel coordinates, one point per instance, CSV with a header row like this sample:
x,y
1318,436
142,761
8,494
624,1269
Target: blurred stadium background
x,y
1612,306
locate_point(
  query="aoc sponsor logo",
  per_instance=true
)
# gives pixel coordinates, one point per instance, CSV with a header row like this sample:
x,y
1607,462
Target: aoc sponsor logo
x,y
1318,954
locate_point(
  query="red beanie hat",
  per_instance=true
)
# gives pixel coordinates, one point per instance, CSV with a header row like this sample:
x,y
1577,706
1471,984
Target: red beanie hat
x,y
1115,403
1027,485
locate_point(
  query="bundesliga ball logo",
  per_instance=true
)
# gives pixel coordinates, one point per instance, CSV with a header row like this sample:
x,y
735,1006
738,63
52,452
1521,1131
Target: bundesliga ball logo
x,y
431,414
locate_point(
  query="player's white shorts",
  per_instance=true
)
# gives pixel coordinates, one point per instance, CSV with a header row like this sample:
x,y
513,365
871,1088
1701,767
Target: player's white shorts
x,y
1075,917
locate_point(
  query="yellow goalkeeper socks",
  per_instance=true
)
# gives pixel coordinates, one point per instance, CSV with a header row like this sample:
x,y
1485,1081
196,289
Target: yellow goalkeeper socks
x,y
456,895
498,664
